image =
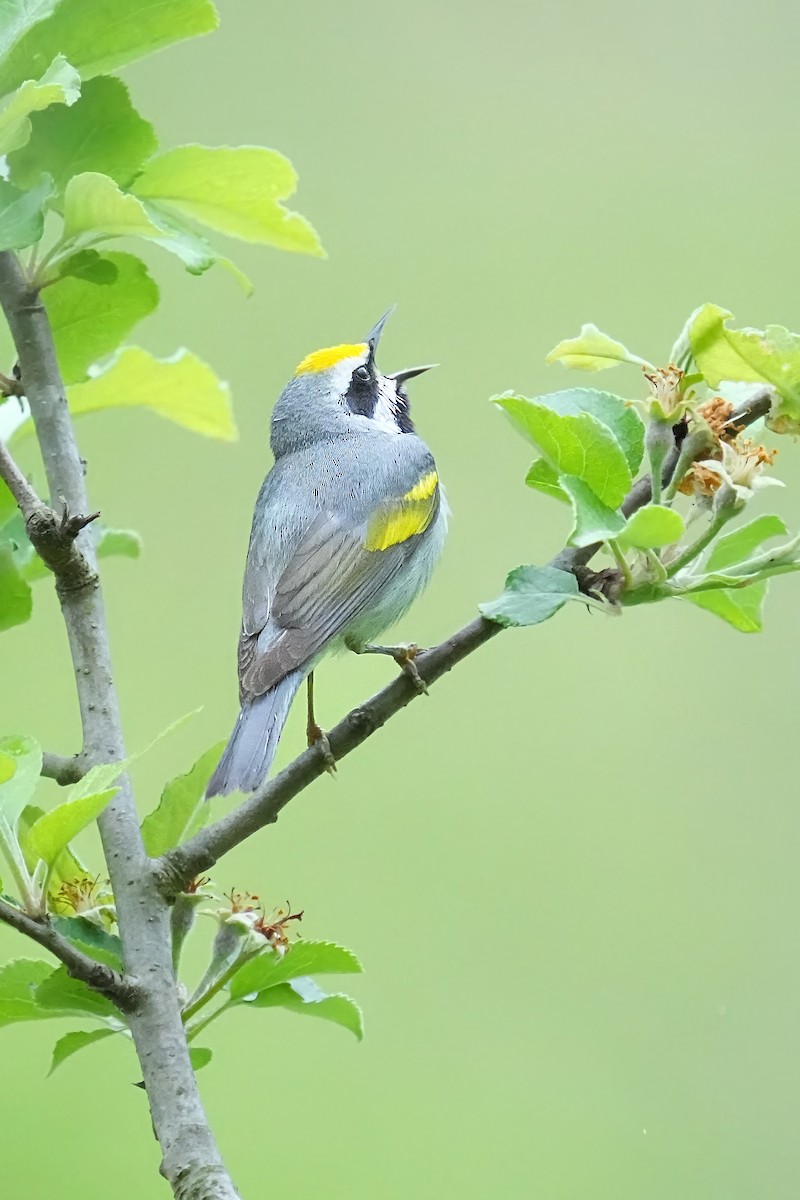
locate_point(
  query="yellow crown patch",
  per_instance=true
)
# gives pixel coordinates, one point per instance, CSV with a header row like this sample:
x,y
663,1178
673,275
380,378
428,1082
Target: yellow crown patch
x,y
320,360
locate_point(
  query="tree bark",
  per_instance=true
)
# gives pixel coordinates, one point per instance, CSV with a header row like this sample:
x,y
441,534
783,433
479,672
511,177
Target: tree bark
x,y
191,1161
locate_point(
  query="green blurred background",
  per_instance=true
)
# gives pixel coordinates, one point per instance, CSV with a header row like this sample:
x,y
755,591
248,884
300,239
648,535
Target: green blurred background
x,y
572,871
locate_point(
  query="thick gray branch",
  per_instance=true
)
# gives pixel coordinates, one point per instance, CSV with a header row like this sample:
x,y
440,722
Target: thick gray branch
x,y
200,853
97,975
191,1160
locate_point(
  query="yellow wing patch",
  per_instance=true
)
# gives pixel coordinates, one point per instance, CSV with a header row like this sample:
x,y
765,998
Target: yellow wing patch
x,y
320,360
424,489
405,518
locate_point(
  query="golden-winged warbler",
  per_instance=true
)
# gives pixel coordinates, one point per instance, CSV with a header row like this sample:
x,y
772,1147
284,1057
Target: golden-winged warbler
x,y
347,529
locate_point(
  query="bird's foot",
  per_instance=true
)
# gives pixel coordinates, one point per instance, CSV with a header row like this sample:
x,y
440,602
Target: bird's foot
x,y
318,737
404,656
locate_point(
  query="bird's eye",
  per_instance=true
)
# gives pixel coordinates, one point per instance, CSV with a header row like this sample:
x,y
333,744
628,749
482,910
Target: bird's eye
x,y
361,373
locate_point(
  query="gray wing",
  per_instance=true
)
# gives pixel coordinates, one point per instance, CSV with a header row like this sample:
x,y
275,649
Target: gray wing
x,y
330,578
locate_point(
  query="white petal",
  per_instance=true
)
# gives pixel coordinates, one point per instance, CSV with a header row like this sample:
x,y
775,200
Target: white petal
x,y
767,481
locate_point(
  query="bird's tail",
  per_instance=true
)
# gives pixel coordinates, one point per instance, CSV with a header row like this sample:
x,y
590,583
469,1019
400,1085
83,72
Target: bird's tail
x,y
251,747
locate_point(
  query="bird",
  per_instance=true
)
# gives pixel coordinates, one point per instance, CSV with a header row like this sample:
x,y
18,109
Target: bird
x,y
347,529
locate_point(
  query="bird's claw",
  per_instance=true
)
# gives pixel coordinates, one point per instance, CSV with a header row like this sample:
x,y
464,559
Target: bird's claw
x,y
319,738
404,656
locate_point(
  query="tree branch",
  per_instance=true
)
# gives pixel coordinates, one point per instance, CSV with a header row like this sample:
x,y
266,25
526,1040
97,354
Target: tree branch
x,y
63,769
191,1160
81,966
200,852
52,536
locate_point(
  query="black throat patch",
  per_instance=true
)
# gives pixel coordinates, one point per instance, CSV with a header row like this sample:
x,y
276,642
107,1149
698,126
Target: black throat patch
x,y
364,395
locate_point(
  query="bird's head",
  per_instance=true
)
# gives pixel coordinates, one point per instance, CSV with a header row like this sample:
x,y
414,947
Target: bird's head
x,y
338,390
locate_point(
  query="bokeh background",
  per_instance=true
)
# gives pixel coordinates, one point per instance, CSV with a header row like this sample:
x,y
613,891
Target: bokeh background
x,y
572,871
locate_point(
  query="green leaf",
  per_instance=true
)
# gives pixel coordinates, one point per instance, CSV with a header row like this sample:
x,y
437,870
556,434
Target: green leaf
x,y
17,17
67,867
22,214
90,320
593,350
93,204
233,190
17,791
71,1043
101,777
16,601
200,1057
91,938
118,543
750,356
95,209
182,388
60,993
740,608
304,958
714,347
653,526
101,132
99,38
736,547
19,981
60,84
594,521
615,413
579,445
7,767
8,505
182,810
313,1002
532,594
53,832
545,479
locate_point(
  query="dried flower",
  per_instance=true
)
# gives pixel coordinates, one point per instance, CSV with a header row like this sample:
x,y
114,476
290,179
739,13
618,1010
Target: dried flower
x,y
275,931
700,481
246,918
716,413
742,468
197,885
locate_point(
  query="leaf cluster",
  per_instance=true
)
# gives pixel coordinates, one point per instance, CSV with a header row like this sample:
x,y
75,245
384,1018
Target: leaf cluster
x,y
596,450
252,962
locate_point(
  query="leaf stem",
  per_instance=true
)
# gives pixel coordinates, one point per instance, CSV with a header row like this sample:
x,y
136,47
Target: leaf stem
x,y
698,546
217,985
10,849
621,561
192,1032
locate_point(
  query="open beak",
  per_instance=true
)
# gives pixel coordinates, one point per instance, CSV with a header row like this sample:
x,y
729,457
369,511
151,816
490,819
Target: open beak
x,y
401,377
374,335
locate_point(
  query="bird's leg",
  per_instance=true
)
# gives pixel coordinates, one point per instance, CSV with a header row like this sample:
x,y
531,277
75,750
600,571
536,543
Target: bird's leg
x,y
315,733
403,655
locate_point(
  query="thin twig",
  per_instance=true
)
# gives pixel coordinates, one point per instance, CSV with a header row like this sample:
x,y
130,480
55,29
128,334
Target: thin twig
x,y
63,769
97,975
53,535
200,852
